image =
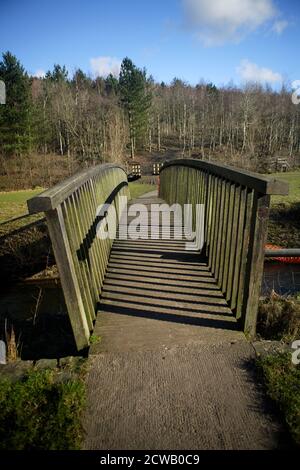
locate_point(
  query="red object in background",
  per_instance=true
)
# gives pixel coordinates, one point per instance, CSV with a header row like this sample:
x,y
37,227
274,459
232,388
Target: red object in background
x,y
282,259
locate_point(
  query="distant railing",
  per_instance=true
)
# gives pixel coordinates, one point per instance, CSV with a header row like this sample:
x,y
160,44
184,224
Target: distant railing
x,y
156,168
72,214
235,225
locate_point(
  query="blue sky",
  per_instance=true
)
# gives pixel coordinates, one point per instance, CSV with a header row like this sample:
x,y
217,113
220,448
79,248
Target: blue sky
x,y
214,40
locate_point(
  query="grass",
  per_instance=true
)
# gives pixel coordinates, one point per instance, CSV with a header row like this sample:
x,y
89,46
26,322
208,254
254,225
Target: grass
x,y
137,188
13,203
279,319
41,413
94,339
284,223
282,381
293,179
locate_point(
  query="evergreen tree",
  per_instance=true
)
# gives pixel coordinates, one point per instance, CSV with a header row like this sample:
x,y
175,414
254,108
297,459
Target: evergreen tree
x,y
80,80
59,74
211,89
15,115
136,99
111,84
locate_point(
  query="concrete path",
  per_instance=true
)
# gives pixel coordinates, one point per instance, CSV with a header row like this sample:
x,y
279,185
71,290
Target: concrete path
x,y
171,371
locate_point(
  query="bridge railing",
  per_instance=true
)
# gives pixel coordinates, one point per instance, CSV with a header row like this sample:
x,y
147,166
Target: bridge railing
x,y
236,208
77,211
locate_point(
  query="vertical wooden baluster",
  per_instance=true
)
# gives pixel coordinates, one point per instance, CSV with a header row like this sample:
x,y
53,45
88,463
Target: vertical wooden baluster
x,y
219,239
239,245
98,184
207,216
89,218
233,247
71,289
91,213
99,242
213,203
224,233
83,224
246,234
228,237
74,241
83,248
216,225
255,261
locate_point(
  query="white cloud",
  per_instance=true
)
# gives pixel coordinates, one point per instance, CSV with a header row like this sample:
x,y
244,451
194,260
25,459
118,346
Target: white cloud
x,y
103,66
251,72
219,21
40,73
279,26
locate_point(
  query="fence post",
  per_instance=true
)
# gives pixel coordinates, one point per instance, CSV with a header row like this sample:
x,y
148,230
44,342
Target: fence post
x,y
255,262
72,295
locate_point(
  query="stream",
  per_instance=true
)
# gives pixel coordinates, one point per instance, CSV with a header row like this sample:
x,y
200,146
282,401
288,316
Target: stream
x,y
283,278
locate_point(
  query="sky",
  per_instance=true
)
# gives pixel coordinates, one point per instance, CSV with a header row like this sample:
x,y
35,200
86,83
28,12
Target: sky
x,y
213,40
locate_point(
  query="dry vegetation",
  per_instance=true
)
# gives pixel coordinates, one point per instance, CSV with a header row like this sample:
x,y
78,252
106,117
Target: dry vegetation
x,y
35,171
279,318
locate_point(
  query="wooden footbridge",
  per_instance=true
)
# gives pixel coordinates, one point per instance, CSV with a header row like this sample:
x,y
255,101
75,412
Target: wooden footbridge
x,y
217,286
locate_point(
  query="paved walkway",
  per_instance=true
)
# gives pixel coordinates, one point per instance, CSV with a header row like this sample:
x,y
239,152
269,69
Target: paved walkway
x,y
171,371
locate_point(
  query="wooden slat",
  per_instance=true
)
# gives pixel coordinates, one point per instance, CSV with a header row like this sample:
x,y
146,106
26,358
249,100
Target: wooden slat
x,y
233,243
83,280
69,281
224,234
236,209
238,249
244,254
52,197
251,180
255,262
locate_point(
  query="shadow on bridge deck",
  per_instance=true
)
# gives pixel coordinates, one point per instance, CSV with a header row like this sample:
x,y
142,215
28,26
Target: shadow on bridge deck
x,y
171,370
156,293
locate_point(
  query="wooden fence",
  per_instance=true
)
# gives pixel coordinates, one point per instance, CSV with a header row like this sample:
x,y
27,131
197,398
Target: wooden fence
x,y
75,212
236,208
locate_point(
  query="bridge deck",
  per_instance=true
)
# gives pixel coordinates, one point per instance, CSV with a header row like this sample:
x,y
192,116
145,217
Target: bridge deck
x,y
156,293
171,370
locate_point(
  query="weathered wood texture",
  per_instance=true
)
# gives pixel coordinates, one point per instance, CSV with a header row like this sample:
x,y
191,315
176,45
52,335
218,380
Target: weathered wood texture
x,y
156,293
235,225
79,211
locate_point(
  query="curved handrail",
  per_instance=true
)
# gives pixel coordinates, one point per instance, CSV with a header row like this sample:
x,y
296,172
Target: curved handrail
x,y
78,211
249,179
234,229
54,196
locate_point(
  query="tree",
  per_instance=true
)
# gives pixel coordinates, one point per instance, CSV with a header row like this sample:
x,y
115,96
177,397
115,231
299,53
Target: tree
x,y
111,84
136,100
59,74
15,115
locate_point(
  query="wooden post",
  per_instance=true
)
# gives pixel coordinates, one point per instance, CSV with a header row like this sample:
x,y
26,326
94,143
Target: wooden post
x,y
255,262
63,256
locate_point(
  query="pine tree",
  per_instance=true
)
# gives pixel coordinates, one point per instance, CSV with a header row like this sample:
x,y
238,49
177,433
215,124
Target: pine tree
x,y
111,85
136,99
59,74
15,115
